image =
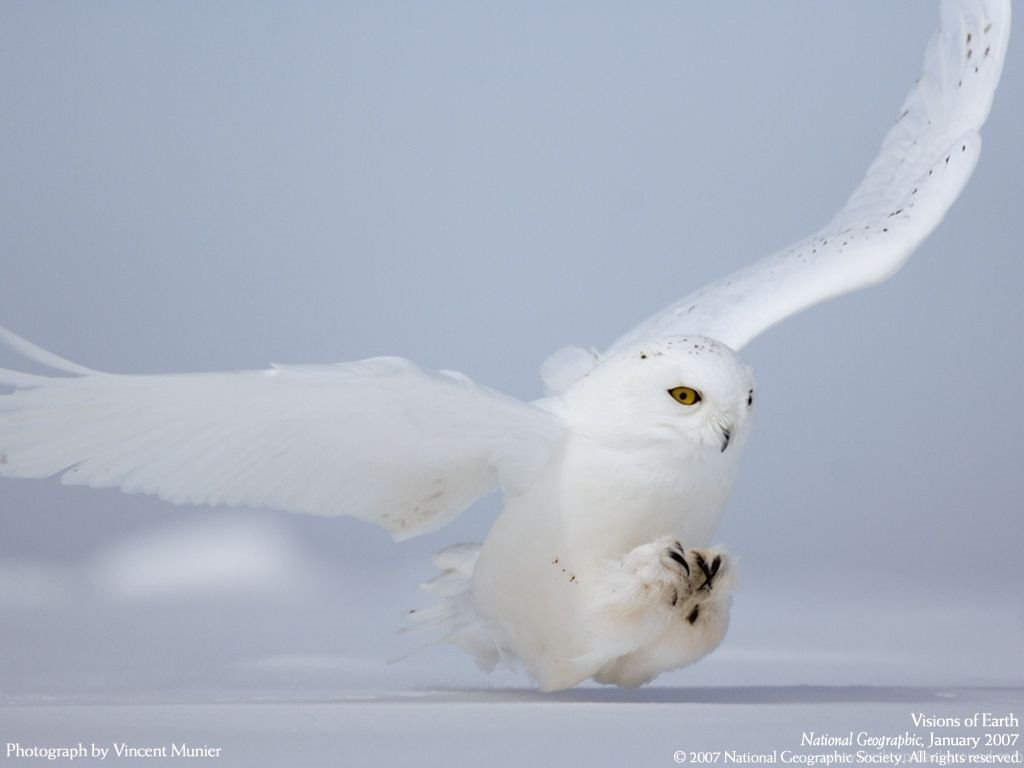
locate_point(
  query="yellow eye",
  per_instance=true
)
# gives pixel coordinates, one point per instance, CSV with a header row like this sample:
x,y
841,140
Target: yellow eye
x,y
685,395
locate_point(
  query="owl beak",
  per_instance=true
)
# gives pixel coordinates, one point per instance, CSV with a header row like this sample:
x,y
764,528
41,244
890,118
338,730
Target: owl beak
x,y
726,436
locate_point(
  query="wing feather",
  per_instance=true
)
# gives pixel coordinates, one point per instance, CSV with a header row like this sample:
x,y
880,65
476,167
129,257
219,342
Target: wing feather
x,y
924,163
381,439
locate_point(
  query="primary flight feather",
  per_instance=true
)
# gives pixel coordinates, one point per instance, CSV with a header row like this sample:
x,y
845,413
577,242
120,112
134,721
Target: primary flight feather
x,y
599,565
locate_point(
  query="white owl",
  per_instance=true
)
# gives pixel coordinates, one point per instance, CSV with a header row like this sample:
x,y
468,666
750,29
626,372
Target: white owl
x,y
599,565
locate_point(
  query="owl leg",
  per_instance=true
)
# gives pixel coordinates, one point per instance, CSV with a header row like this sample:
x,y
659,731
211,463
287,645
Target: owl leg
x,y
686,593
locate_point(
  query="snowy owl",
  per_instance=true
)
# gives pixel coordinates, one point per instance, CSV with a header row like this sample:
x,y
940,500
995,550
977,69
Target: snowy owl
x,y
600,563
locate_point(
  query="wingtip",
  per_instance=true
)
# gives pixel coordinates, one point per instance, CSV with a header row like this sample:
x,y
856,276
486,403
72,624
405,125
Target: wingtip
x,y
36,354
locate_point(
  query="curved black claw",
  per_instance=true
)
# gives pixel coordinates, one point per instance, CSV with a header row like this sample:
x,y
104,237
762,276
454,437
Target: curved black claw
x,y
677,554
710,571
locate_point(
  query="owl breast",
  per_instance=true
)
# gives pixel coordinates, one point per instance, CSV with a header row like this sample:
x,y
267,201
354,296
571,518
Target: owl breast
x,y
612,500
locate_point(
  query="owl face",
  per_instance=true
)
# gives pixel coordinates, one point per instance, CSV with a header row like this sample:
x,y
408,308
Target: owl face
x,y
690,390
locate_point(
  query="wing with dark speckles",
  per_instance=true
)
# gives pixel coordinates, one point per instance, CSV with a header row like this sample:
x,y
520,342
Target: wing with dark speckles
x,y
924,163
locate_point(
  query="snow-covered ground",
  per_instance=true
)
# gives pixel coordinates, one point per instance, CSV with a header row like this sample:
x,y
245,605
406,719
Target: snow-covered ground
x,y
514,727
275,657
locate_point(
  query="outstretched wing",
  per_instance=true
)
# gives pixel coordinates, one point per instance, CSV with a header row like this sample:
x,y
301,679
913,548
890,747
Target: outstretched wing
x,y
925,160
378,439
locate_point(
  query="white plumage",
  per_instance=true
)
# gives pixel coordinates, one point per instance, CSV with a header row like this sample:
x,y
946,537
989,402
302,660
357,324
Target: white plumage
x,y
273,438
924,163
599,564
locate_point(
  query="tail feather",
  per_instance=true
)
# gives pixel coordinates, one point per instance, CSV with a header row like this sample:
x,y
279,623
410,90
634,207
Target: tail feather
x,y
458,558
455,617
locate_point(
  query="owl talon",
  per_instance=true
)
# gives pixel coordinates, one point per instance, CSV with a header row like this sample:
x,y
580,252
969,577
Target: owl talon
x,y
677,554
681,580
710,585
710,571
